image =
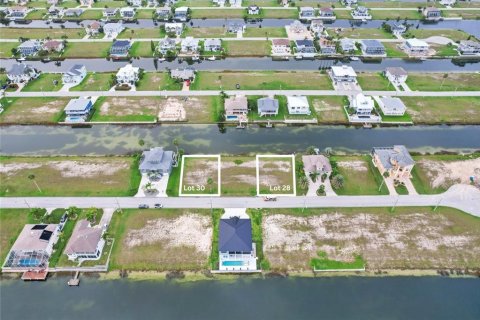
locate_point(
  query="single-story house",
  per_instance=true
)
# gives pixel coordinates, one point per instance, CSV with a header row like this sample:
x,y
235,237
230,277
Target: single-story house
x,y
349,3
220,3
415,46
167,44
187,74
174,28
316,163
392,106
361,13
343,73
16,12
21,72
347,45
29,47
326,13
372,47
306,13
163,13
93,28
33,247
189,45
316,26
253,9
86,242
112,30
235,106
399,28
152,3
78,110
135,3
235,27
236,249
127,12
327,46
120,48
281,46
156,160
363,105
432,13
212,45
128,75
305,46
181,14
396,75
267,107
110,12
395,160
73,12
55,12
53,46
75,74
298,105
469,47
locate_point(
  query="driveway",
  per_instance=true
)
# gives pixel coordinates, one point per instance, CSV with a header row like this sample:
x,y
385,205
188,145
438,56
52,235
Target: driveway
x,y
160,185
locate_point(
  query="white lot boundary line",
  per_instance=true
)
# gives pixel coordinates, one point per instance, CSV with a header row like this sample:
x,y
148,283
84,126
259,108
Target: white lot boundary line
x,y
218,180
294,187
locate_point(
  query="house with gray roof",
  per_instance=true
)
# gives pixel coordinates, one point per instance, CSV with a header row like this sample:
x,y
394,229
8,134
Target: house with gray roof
x,y
183,74
181,14
157,161
78,110
163,14
120,48
469,47
236,249
392,106
212,45
372,48
347,45
395,160
396,75
267,107
75,74
86,242
29,47
167,44
21,72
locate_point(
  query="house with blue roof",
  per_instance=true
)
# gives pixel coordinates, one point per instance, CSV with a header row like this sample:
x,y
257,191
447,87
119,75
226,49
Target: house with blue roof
x,y
120,49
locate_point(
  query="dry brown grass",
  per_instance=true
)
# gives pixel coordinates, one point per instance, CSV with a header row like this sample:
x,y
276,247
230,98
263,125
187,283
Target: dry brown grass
x,y
239,176
196,174
276,175
33,110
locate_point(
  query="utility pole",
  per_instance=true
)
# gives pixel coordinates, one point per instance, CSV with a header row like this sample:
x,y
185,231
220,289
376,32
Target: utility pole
x,y
27,204
438,204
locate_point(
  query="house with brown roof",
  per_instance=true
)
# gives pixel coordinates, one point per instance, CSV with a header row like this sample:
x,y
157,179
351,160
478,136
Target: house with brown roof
x,y
316,163
236,107
86,242
280,46
53,46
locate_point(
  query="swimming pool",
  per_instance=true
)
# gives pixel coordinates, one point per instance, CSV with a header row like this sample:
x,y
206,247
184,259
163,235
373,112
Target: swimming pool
x,y
233,263
28,262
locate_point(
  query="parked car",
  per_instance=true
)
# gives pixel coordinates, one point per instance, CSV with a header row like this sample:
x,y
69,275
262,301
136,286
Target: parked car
x,y
158,206
143,206
269,199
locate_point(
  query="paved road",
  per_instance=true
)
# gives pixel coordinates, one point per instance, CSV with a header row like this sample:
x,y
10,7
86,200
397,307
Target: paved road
x,y
242,92
462,197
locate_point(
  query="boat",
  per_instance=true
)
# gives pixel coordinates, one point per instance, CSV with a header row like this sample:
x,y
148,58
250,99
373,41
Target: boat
x,y
354,58
212,58
21,59
161,59
196,58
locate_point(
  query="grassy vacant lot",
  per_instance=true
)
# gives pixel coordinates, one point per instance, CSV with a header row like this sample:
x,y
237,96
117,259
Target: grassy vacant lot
x,y
153,81
407,238
6,49
141,33
374,81
239,176
126,109
167,239
87,50
32,110
361,177
45,82
398,4
393,14
455,35
108,4
200,175
217,13
444,109
213,32
11,223
247,48
38,33
141,49
275,175
194,3
436,173
69,176
95,82
444,81
269,32
359,33
329,109
36,14
465,14
267,80
279,14
392,50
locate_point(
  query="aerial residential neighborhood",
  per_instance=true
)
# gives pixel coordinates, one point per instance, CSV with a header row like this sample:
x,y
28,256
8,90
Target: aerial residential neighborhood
x,y
211,159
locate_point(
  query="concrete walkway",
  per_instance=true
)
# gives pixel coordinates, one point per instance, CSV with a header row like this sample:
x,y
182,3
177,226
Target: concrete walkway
x,y
107,216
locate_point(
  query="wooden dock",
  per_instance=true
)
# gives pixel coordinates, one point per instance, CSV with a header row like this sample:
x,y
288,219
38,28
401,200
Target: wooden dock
x,y
75,281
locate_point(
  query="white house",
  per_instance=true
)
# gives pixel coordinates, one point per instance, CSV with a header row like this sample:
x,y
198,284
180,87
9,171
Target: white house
x,y
392,106
127,13
135,3
174,28
253,10
212,45
469,47
363,105
298,105
316,26
432,13
347,45
396,75
167,44
78,110
75,74
416,47
93,28
280,47
181,14
128,75
21,72
112,30
86,242
110,12
343,74
361,13
29,47
306,13
189,45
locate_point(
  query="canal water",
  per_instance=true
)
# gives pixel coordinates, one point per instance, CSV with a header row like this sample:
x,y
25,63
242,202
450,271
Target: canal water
x,y
321,298
115,139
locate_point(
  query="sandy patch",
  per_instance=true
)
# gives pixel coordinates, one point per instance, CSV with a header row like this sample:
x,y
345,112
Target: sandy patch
x,y
353,165
190,230
200,170
447,173
51,107
172,110
84,169
231,164
126,106
12,168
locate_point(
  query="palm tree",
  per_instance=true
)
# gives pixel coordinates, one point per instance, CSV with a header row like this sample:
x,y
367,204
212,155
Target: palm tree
x,y
303,182
91,214
210,182
175,143
32,178
338,182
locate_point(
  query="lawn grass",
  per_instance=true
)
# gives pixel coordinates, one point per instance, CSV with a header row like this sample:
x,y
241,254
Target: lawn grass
x,y
448,50
36,14
216,13
393,14
276,175
323,263
374,81
464,14
108,4
45,82
392,50
454,35
95,81
141,49
329,109
279,13
444,81
436,110
359,182
39,110
11,223
119,109
6,48
253,110
238,176
197,172
40,33
173,185
256,216
145,33
214,259
254,48
265,32
156,255
262,80
153,81
145,14
90,50
210,32
361,33
398,4
122,178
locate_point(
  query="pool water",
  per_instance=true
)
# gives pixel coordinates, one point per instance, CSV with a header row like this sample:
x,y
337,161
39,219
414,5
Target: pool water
x,y
232,263
28,262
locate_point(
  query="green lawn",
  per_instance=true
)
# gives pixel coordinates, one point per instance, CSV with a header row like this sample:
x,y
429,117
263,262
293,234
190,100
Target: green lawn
x,y
36,14
374,81
265,32
323,263
117,109
108,4
45,82
211,32
217,13
393,14
238,176
174,180
279,14
95,82
11,223
6,48
107,176
39,33
87,50
444,81
141,49
329,109
392,50
40,110
361,33
454,35
464,14
445,51
144,33
252,48
152,81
